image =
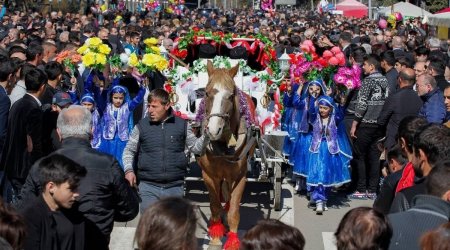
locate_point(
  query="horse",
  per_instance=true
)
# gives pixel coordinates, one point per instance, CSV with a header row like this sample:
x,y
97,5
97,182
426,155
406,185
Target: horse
x,y
224,163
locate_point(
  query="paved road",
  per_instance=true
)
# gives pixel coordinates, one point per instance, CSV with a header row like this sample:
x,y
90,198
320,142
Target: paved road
x,y
256,205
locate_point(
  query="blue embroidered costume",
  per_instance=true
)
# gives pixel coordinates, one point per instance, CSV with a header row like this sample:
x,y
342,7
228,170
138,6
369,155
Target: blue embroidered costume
x,y
287,121
96,118
329,154
117,123
305,117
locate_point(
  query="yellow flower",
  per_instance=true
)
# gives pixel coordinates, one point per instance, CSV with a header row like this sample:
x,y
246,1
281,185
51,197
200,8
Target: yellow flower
x,y
162,64
151,41
150,60
88,59
155,50
100,59
133,60
94,41
83,49
104,49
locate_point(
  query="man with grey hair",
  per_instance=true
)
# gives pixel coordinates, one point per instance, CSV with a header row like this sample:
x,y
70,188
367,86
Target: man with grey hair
x,y
433,108
105,195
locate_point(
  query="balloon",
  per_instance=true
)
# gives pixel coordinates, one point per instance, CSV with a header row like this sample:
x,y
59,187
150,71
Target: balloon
x,y
392,20
398,16
382,24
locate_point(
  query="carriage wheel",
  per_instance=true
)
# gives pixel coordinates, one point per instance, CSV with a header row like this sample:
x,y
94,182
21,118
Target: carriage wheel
x,y
277,187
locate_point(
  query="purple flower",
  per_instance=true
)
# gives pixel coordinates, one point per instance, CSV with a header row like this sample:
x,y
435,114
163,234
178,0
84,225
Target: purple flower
x,y
339,78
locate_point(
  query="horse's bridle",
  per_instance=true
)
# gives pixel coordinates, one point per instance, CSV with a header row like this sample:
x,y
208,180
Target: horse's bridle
x,y
223,116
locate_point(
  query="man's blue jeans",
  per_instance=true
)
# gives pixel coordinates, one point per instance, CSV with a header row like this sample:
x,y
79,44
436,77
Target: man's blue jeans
x,y
150,194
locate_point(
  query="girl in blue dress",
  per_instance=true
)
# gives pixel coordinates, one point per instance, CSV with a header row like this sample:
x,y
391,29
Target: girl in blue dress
x,y
329,153
287,120
117,121
305,104
88,101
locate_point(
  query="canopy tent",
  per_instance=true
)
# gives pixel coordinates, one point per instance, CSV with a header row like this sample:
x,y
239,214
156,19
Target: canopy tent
x,y
352,8
407,10
443,10
442,19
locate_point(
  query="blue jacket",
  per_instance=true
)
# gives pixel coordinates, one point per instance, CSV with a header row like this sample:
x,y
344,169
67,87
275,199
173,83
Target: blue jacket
x,y
433,108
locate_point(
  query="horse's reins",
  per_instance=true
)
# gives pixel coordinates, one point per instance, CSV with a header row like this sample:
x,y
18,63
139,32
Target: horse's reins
x,y
249,141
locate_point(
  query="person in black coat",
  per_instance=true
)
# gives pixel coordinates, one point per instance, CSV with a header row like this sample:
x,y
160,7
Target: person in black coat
x,y
396,163
405,102
24,134
387,64
6,70
428,212
51,225
431,145
105,195
437,70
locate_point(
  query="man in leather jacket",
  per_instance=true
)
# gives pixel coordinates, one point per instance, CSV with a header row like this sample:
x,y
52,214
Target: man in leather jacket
x,y
105,195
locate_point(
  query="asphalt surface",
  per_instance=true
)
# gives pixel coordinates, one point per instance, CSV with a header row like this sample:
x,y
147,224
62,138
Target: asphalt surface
x,y
256,205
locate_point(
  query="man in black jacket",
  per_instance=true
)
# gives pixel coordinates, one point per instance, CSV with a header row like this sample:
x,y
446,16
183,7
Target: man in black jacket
x,y
105,195
23,142
387,64
405,102
396,162
50,222
427,213
431,146
437,70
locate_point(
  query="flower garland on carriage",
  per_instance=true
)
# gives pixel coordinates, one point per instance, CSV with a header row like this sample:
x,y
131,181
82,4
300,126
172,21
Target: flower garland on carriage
x,y
259,72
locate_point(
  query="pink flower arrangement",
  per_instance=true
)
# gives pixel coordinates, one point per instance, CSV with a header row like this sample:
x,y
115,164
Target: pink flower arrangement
x,y
348,77
309,66
334,56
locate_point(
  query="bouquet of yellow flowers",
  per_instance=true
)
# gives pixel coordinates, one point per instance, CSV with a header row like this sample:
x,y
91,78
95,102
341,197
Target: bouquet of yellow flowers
x,y
94,53
148,62
152,46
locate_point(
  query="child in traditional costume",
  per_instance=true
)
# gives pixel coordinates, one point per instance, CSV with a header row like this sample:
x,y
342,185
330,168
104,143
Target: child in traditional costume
x,y
117,121
306,114
88,101
328,157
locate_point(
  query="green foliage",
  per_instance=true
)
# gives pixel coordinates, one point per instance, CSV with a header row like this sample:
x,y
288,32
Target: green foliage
x,y
389,2
431,5
435,5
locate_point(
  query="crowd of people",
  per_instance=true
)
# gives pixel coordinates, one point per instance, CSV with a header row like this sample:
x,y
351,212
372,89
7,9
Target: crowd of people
x,y
80,151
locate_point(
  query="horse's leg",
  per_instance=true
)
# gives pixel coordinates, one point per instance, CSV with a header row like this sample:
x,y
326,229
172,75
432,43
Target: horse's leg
x,y
233,215
216,229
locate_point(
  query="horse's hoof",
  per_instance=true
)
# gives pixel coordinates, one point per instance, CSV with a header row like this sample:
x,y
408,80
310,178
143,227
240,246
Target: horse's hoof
x,y
214,247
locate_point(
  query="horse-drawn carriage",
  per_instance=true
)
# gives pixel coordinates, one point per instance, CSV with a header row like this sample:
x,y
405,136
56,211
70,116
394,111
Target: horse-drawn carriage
x,y
232,92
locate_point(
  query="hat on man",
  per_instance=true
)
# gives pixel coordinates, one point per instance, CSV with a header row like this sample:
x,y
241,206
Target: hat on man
x,y
61,99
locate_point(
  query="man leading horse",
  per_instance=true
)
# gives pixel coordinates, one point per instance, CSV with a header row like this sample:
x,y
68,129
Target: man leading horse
x,y
159,141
